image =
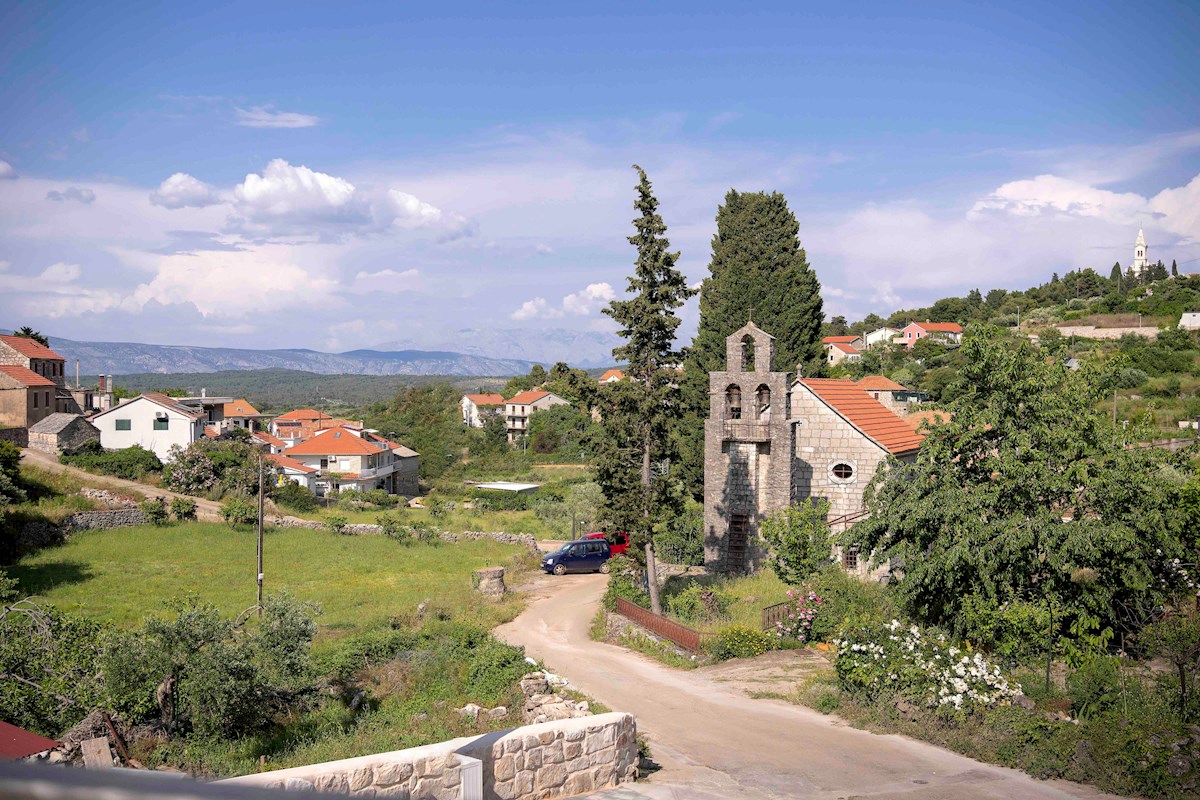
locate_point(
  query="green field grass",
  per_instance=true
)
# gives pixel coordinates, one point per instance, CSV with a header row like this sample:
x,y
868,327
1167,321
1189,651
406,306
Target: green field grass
x,y
121,575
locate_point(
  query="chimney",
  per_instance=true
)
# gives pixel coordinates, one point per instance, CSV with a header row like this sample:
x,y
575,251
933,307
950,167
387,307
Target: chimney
x,y
204,392
101,387
77,385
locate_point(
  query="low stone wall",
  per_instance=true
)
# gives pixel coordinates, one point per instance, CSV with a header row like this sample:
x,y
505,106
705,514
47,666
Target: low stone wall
x,y
364,529
18,436
93,520
1092,332
551,759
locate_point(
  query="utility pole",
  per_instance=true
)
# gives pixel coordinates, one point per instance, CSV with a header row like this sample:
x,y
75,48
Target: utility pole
x,y
1018,319
260,535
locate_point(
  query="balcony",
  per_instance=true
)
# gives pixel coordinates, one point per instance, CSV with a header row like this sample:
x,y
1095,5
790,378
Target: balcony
x,y
745,430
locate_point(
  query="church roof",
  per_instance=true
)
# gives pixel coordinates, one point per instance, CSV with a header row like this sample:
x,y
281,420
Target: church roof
x,y
1141,238
848,400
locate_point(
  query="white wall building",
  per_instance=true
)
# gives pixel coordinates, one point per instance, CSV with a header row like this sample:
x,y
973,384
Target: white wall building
x,y
476,408
1190,321
880,336
153,421
1141,254
518,409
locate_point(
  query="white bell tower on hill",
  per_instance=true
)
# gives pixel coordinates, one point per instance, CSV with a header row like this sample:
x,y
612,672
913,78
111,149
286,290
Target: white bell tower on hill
x,y
1140,260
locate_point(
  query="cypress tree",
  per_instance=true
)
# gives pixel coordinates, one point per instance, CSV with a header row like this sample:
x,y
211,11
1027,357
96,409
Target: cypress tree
x,y
643,410
759,267
1174,269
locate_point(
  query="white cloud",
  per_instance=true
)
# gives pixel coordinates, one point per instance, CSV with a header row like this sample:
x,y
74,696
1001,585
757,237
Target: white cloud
x,y
532,309
386,281
591,298
412,211
288,199
268,117
85,196
7,173
183,191
1050,194
60,273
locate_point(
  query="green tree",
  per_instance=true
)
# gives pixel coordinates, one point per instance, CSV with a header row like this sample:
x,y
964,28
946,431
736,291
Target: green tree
x,y
758,268
26,332
799,539
1177,639
1174,269
648,322
10,474
1115,276
1025,494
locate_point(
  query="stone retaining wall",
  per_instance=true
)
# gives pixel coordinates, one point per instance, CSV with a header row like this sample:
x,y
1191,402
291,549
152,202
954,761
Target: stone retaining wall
x,y
93,520
18,436
551,759
366,529
1092,332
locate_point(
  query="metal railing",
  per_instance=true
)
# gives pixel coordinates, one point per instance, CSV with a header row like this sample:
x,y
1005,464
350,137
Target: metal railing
x,y
773,615
682,635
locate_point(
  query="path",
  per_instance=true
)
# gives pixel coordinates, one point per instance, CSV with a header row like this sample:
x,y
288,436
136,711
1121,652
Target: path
x,y
714,742
205,509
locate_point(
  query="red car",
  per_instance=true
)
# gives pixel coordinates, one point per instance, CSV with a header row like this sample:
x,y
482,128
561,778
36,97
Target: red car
x,y
618,543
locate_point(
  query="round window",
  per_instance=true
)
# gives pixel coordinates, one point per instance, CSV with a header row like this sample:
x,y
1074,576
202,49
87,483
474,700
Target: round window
x,y
843,472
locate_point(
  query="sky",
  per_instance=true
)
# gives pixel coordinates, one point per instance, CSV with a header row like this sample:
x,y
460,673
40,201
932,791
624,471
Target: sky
x,y
348,175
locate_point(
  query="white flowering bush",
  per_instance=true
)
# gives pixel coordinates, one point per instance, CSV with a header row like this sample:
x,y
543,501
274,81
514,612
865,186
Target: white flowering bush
x,y
875,660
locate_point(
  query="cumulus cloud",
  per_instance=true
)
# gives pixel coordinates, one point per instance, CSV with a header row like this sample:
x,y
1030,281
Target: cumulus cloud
x,y
590,299
7,173
268,117
412,211
1050,194
290,199
183,191
60,273
75,193
54,292
386,281
533,309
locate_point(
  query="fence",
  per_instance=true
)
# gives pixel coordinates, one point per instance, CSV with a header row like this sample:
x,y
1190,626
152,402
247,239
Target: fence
x,y
773,615
669,629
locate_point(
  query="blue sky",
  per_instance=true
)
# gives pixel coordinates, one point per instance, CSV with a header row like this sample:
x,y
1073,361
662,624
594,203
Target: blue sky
x,y
347,175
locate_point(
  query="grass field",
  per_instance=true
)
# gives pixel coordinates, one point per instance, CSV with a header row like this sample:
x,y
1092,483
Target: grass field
x,y
455,521
121,575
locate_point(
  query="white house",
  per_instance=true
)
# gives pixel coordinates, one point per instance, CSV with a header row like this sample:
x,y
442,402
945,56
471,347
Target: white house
x,y
476,408
154,421
1190,321
518,409
292,470
880,336
352,458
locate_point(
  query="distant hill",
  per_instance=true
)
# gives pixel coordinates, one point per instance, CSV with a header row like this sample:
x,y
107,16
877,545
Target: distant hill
x,y
273,389
123,358
583,349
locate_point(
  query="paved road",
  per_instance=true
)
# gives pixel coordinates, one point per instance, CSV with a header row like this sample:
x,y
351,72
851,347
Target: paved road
x,y
205,509
714,742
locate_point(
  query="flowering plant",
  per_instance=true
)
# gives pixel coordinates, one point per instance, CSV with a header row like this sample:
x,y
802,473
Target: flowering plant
x,y
875,659
805,606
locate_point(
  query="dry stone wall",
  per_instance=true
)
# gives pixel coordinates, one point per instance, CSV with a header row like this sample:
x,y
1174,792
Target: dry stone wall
x,y
552,759
366,529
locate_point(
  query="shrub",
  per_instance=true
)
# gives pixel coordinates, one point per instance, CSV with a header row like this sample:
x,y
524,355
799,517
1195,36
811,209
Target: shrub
x,y
237,511
626,580
799,540
154,509
1014,632
393,528
843,598
294,496
425,533
681,539
875,660
132,463
183,508
494,668
336,524
1095,687
698,602
740,641
805,606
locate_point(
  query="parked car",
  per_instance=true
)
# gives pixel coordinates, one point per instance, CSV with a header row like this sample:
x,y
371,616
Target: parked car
x,y
583,555
618,543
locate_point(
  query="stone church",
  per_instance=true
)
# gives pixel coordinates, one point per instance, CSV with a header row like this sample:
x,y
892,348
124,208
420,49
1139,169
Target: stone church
x,y
770,441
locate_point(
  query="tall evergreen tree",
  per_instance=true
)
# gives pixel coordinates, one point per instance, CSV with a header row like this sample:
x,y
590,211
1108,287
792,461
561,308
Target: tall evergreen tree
x,y
1115,275
758,268
648,409
1174,269
26,332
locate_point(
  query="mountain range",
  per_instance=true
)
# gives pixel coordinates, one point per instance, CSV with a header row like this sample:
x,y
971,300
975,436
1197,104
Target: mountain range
x,y
124,358
583,349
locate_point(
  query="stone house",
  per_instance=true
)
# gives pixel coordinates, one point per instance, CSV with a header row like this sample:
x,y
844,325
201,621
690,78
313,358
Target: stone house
x,y
59,432
892,395
842,348
41,360
476,408
770,442
153,421
519,408
26,397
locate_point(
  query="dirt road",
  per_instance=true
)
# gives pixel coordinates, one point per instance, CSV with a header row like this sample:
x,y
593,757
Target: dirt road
x,y
715,742
205,509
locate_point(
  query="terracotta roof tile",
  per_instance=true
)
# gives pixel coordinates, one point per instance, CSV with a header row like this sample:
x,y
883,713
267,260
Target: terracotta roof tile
x,y
531,396
866,413
336,441
304,414
879,382
169,402
839,339
289,463
614,374
486,399
845,348
29,347
933,417
25,375
267,438
940,327
240,408
18,743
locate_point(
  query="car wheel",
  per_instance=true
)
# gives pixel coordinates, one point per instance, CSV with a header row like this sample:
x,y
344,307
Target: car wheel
x,y
559,569
604,568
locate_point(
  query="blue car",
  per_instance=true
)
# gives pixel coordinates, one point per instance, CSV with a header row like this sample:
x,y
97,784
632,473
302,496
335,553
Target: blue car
x,y
585,555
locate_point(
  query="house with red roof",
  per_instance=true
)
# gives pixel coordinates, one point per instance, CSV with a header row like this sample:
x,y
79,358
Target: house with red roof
x,y
771,441
305,423
892,395
477,408
520,407
611,376
153,421
354,458
26,398
944,332
21,351
290,469
842,348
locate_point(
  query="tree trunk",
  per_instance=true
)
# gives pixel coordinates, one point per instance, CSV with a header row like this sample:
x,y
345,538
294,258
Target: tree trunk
x,y
651,562
1182,691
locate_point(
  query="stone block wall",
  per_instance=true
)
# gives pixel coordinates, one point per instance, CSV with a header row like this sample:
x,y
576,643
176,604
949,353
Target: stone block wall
x,y
95,520
547,760
18,436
